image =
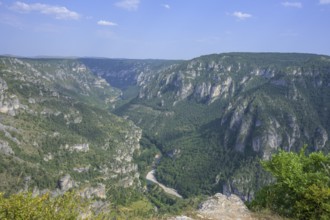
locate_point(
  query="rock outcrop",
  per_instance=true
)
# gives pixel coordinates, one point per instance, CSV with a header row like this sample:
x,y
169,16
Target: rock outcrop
x,y
221,207
9,103
94,192
66,183
5,148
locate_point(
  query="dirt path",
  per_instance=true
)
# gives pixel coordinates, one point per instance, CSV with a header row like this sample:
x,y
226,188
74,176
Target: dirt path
x,y
151,177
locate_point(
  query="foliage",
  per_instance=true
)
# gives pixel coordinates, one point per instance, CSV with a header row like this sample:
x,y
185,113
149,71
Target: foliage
x,y
302,187
145,159
140,209
167,204
26,206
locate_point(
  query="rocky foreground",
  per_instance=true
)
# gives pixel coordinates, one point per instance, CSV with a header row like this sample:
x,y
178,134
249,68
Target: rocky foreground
x,y
221,207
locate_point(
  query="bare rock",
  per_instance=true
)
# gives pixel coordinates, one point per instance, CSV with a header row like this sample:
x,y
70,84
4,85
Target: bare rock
x,y
31,100
96,192
180,218
222,207
5,148
78,147
66,183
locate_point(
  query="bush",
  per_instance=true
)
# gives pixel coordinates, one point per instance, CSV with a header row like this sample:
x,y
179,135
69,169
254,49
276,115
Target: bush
x,y
26,206
302,187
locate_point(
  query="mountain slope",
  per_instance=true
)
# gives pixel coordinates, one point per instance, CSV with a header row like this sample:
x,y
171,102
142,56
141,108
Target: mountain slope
x,y
56,130
214,116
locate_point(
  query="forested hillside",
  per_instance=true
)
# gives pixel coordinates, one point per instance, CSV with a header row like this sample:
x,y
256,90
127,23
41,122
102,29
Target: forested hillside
x,y
215,116
57,132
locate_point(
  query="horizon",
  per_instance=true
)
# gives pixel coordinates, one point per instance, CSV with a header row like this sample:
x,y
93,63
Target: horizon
x,y
162,29
123,58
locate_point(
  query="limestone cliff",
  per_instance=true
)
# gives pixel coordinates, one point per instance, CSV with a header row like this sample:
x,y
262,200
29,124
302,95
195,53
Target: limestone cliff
x,y
56,132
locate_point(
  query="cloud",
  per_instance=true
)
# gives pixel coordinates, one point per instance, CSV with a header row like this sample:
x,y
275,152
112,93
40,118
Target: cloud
x,y
241,15
59,12
292,4
106,23
324,2
166,6
130,5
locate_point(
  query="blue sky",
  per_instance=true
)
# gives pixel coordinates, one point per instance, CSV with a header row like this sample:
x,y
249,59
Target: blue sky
x,y
166,29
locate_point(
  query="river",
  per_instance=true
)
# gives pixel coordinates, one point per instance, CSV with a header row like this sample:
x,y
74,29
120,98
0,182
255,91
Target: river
x,y
151,177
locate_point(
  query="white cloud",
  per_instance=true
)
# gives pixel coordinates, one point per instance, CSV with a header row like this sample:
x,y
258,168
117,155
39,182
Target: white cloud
x,y
166,6
241,15
106,23
324,2
292,4
59,12
130,5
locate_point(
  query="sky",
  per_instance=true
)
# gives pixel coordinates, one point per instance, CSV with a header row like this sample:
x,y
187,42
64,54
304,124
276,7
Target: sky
x,y
162,29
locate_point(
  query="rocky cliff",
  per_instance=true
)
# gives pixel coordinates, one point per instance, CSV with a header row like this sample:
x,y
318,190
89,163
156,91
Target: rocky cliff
x,y
56,132
238,105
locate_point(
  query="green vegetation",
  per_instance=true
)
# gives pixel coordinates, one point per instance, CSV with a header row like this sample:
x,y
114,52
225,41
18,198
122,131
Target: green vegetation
x,y
171,205
60,125
211,119
273,101
302,186
62,107
26,206
155,205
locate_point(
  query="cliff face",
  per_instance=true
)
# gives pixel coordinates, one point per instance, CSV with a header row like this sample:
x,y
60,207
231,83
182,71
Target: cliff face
x,y
265,97
56,132
237,105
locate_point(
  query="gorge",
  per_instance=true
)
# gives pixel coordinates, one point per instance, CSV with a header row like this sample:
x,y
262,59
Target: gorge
x,y
98,123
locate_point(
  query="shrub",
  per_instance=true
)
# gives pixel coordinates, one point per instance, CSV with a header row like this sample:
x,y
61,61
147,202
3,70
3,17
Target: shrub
x,y
25,206
302,187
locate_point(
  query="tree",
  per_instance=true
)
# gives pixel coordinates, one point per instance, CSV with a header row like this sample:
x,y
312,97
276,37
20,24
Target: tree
x,y
302,186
